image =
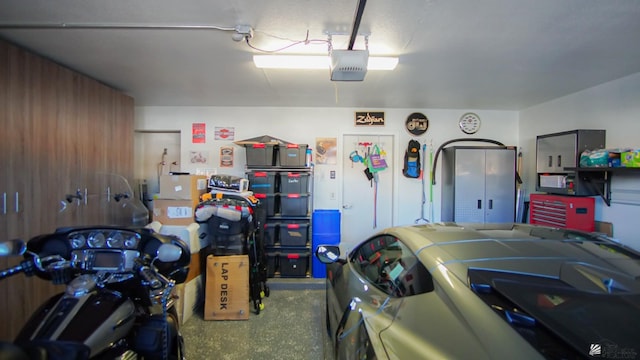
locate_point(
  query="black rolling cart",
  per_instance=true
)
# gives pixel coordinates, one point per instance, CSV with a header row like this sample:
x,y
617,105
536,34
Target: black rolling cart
x,y
234,226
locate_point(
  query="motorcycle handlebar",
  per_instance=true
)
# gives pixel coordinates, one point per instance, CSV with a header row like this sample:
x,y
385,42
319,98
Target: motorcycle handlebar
x,y
150,277
12,271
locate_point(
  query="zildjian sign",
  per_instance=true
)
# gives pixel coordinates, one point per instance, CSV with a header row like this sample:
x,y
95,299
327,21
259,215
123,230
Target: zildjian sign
x,y
369,118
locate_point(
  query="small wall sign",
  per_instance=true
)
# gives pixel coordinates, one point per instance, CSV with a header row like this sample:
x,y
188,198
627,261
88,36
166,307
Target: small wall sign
x,y
369,118
417,123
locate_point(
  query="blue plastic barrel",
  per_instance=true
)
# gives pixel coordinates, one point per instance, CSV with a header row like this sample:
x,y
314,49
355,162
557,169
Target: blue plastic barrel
x,y
325,230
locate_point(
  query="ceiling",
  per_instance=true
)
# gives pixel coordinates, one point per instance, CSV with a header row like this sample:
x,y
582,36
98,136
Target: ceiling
x,y
457,54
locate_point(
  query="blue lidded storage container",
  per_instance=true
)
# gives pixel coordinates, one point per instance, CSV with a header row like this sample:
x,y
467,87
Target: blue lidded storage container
x,y
325,230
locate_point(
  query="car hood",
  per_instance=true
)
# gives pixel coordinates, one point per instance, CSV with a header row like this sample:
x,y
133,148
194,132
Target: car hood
x,y
584,263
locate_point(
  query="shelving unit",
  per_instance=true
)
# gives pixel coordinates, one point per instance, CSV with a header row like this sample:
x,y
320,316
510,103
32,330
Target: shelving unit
x,y
599,178
287,192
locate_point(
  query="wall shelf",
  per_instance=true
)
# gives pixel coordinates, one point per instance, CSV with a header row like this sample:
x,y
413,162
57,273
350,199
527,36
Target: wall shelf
x,y
587,174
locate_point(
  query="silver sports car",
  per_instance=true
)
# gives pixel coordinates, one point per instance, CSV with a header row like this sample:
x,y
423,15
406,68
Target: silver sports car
x,y
486,291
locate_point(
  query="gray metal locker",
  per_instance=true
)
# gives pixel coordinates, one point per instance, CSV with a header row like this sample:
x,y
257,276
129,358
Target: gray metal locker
x,y
478,184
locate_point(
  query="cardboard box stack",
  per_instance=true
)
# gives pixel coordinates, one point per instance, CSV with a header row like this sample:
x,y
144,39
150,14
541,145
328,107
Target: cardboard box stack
x,y
178,197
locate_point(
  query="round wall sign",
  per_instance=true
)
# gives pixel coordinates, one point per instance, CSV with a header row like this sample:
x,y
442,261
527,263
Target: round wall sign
x,y
469,123
417,123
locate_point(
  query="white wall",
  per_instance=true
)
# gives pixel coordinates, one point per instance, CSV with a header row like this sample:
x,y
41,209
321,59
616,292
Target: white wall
x,y
304,125
613,106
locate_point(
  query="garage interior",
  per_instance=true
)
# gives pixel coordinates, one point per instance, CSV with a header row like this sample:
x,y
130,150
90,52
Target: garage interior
x,y
152,88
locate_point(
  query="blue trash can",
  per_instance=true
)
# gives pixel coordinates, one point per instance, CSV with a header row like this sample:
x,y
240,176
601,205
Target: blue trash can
x,y
325,230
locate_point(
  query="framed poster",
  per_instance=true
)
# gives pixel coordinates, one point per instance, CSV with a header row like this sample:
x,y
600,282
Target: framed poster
x,y
326,150
226,156
198,133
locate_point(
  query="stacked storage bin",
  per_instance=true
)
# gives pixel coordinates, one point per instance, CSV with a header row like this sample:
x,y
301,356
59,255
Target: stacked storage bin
x,y
281,180
293,232
325,231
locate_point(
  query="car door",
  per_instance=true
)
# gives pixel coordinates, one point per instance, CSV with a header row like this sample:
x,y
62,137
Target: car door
x,y
382,271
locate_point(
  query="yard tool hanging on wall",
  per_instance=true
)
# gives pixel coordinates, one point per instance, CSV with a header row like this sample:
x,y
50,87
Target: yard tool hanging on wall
x,y
424,193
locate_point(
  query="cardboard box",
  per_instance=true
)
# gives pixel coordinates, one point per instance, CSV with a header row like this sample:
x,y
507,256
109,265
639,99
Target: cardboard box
x,y
190,298
182,187
227,288
174,212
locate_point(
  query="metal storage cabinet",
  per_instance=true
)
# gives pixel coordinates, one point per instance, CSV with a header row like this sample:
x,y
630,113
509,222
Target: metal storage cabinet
x,y
557,155
478,184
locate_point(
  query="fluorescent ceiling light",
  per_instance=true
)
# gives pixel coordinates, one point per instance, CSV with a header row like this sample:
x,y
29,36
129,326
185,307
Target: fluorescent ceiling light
x,y
311,62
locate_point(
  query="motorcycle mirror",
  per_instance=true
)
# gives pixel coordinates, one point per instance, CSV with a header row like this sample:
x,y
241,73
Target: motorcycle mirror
x,y
12,247
328,254
169,253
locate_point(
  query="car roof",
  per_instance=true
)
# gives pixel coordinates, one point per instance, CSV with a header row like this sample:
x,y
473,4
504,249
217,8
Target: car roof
x,y
586,261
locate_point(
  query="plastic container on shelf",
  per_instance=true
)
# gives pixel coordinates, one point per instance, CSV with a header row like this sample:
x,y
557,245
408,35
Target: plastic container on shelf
x,y
262,182
293,155
260,154
294,182
294,233
293,263
294,204
270,233
269,202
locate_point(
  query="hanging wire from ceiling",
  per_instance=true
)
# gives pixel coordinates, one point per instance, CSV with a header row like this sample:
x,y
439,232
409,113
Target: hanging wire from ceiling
x,y
306,41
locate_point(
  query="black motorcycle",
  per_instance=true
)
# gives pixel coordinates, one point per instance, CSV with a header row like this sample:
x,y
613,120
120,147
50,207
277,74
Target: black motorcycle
x,y
118,302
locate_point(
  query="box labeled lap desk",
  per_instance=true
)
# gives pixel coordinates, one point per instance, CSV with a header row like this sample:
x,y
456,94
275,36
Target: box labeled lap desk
x,y
227,288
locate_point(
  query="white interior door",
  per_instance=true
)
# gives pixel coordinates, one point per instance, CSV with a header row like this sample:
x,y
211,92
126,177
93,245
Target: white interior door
x,y
367,205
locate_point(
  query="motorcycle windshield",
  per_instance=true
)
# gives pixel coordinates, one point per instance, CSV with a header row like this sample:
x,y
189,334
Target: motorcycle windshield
x,y
101,199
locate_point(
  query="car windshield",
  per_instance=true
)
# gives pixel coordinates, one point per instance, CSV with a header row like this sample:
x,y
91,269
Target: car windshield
x,y
591,323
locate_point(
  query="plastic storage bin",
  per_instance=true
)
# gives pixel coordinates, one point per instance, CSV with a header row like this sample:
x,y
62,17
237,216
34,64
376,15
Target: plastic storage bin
x,y
293,263
268,201
294,182
294,233
262,182
272,263
293,155
270,233
294,204
260,155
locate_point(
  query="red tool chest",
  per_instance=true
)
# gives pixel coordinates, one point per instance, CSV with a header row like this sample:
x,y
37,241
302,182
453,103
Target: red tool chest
x,y
568,212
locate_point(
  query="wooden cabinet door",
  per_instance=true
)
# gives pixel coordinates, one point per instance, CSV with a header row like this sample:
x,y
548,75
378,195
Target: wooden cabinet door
x,y
58,126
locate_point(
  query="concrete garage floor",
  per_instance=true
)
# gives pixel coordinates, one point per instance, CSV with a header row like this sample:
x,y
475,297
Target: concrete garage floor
x,y
291,326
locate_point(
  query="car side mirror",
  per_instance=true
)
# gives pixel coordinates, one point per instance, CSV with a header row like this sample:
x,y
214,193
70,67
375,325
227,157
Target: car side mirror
x,y
328,254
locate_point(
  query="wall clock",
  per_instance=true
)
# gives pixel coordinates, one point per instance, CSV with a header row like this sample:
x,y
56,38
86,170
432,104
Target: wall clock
x,y
469,123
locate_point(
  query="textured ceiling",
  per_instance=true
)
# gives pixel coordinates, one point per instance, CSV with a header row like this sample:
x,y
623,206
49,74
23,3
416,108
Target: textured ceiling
x,y
471,54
